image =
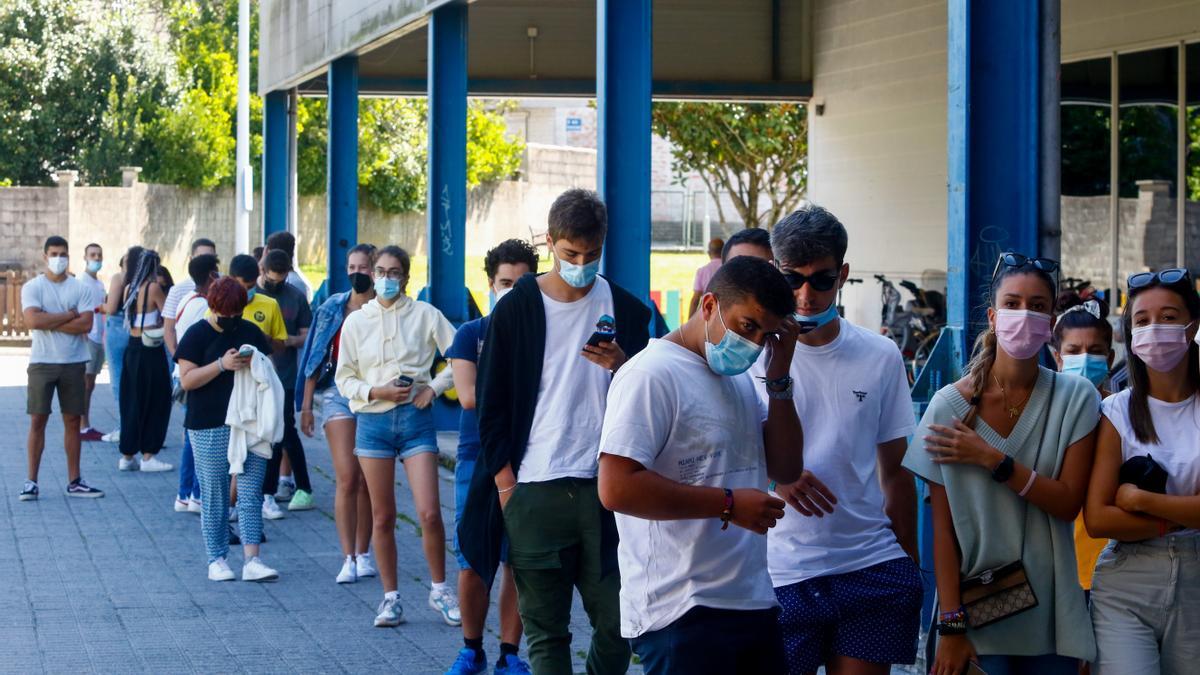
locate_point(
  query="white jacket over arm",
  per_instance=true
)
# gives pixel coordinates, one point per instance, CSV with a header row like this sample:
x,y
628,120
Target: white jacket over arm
x,y
255,415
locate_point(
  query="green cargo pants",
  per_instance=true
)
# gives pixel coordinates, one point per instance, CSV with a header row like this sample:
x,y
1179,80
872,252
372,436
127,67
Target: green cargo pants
x,y
553,533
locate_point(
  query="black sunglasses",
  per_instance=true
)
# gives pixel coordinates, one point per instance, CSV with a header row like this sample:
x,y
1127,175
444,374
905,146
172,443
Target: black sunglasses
x,y
821,281
1011,259
1164,278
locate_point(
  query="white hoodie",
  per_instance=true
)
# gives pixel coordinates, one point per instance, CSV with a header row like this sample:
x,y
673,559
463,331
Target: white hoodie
x,y
380,344
255,415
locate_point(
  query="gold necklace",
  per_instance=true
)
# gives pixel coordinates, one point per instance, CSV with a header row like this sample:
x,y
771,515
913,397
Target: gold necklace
x,y
1013,410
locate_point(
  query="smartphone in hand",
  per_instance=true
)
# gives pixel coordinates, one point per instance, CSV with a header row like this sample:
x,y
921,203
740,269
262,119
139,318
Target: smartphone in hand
x,y
600,336
403,381
246,351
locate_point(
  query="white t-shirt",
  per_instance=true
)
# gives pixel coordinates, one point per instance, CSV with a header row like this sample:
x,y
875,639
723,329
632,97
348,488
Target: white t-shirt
x,y
571,397
1177,426
670,413
191,310
297,280
174,297
851,395
99,294
55,346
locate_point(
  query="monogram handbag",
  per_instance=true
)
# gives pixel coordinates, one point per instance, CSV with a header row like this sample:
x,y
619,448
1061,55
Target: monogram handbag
x,y
1003,591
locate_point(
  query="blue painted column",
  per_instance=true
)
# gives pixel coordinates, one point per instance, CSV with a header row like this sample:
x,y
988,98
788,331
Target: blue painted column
x,y
275,178
447,204
342,156
994,150
623,80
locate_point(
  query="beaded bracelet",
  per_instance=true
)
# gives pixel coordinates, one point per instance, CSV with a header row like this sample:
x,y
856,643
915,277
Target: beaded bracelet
x,y
727,514
953,623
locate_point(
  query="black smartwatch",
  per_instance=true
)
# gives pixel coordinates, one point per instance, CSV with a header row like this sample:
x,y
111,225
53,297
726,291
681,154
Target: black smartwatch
x,y
1003,470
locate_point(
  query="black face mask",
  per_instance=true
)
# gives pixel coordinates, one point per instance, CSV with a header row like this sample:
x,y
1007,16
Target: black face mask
x,y
226,323
361,283
272,288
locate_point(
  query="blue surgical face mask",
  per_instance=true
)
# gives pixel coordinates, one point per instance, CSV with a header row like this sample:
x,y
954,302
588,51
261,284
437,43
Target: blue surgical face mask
x,y
1092,367
251,293
387,288
733,355
94,266
578,276
811,323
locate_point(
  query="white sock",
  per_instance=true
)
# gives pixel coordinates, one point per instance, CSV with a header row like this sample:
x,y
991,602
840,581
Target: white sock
x,y
391,595
439,587
349,558
286,479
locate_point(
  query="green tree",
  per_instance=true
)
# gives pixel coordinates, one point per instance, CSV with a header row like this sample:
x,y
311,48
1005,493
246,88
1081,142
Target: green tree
x,y
756,153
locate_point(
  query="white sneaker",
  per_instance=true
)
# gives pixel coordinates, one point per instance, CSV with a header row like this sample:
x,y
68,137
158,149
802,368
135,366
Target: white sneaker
x,y
255,570
155,465
218,570
349,574
113,436
181,505
365,565
195,506
127,464
286,489
390,613
444,602
271,510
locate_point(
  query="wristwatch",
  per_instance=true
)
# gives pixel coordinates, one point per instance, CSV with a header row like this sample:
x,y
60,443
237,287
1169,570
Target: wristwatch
x,y
781,389
1003,470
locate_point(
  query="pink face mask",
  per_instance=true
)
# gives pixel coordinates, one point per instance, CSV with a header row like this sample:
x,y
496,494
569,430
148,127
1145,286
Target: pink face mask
x,y
1161,346
1021,333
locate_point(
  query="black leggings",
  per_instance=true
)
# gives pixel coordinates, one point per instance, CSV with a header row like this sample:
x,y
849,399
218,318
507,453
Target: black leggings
x,y
295,451
145,398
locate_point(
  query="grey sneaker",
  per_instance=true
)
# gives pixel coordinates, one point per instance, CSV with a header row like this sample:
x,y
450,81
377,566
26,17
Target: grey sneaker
x,y
29,492
78,488
445,603
390,613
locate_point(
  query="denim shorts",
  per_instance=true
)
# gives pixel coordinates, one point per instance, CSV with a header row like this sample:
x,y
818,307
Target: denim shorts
x,y
464,468
403,431
331,405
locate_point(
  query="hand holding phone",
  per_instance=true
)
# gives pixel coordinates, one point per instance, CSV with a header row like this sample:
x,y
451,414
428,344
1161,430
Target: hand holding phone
x,y
245,352
600,336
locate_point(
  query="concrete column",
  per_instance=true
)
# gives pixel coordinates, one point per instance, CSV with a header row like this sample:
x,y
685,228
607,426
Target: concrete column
x,y
623,75
446,208
275,163
342,192
129,175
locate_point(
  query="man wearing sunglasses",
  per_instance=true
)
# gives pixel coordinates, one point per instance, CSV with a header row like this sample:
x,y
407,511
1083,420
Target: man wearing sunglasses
x,y
843,571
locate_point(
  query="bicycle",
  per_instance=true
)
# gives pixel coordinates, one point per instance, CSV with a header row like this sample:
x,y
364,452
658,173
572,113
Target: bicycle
x,y
914,329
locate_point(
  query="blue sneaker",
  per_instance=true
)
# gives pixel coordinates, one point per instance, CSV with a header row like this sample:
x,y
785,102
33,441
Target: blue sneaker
x,y
513,665
467,663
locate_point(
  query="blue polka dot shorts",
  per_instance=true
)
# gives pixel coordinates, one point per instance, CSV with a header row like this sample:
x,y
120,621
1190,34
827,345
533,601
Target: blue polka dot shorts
x,y
873,615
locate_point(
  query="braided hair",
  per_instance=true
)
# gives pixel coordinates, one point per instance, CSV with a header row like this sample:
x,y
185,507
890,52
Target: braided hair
x,y
146,270
983,355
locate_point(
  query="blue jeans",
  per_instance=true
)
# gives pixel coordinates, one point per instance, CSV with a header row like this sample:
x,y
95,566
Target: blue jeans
x,y
398,433
707,640
116,339
1046,664
189,484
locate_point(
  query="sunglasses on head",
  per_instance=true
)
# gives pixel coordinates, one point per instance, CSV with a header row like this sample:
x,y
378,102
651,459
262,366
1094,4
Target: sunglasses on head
x,y
821,281
1017,260
1164,278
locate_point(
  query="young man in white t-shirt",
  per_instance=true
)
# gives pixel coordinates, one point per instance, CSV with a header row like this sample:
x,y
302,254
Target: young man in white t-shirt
x,y
178,292
551,347
57,309
93,259
845,572
687,449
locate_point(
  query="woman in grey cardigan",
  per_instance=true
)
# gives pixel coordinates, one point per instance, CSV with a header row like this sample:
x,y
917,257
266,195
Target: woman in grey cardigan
x,y
1007,451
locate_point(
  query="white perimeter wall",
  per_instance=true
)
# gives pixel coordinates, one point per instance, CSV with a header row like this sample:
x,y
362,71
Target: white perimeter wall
x,y
878,153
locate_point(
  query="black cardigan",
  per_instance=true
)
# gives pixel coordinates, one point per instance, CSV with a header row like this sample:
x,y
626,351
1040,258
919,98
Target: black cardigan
x,y
510,373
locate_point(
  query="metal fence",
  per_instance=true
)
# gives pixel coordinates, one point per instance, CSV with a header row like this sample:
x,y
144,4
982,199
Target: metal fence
x,y
685,220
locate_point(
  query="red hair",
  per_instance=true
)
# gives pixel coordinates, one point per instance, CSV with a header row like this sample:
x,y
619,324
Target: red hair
x,y
227,297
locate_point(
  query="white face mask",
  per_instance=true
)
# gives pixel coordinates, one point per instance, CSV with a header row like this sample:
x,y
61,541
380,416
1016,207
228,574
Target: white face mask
x,y
58,264
502,292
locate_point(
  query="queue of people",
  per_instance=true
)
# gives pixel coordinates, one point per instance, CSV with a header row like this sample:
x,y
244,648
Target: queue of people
x,y
737,495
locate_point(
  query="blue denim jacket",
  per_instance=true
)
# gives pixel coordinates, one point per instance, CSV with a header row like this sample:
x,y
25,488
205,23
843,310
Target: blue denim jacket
x,y
328,319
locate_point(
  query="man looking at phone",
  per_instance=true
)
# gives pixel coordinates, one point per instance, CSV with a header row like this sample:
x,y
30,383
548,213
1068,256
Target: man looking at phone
x,y
844,572
542,393
504,266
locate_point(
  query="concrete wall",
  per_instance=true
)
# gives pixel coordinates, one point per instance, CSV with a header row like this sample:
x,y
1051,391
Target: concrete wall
x,y
877,154
167,218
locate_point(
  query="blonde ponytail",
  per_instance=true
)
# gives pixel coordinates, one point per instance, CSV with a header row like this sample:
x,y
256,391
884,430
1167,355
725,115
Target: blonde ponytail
x,y
978,371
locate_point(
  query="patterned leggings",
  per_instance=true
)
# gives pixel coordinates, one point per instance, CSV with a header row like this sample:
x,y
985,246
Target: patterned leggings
x,y
211,448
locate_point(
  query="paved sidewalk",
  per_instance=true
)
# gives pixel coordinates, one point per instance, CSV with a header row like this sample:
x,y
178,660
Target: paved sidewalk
x,y
119,584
